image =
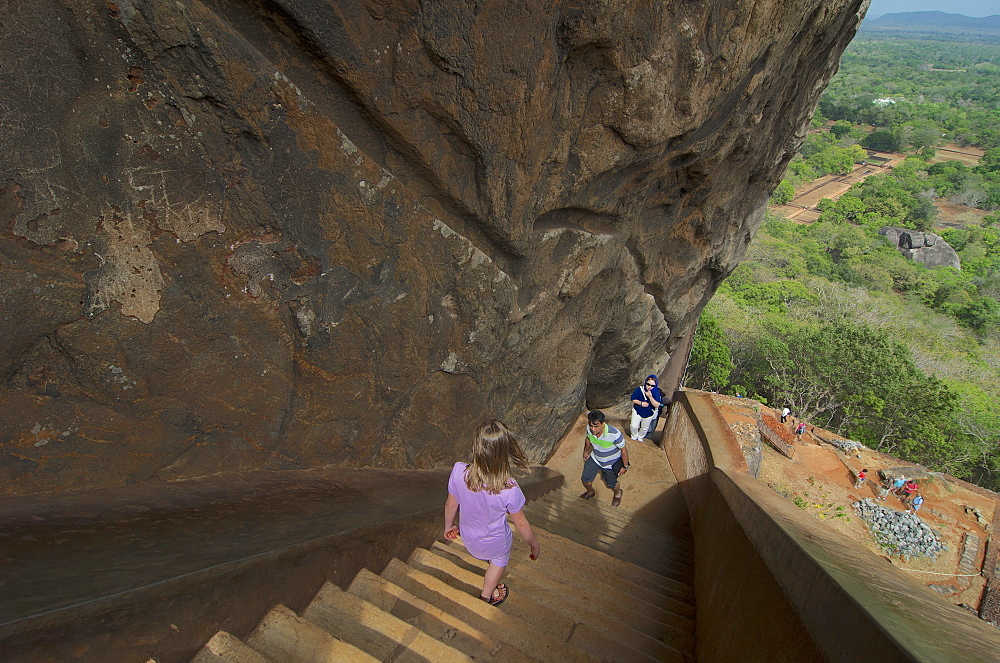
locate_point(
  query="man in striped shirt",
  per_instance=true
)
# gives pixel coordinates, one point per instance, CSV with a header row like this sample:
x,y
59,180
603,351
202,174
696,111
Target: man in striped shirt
x,y
604,451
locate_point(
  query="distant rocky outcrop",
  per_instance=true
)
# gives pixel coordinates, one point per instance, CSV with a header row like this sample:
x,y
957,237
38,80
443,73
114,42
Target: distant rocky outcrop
x,y
242,235
926,248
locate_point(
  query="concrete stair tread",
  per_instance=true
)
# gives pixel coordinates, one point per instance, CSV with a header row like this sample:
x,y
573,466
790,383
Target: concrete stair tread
x,y
382,635
227,648
618,520
528,637
587,539
622,528
432,620
637,541
530,604
648,559
518,604
597,589
554,564
678,526
575,549
284,636
604,609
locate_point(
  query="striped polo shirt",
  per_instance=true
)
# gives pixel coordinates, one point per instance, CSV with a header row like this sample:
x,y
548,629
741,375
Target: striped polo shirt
x,y
607,447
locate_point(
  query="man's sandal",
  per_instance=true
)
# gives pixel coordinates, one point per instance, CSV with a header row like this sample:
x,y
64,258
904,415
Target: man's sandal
x,y
497,600
617,499
588,494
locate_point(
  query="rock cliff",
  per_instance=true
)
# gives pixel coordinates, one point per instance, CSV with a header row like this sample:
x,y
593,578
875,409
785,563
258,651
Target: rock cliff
x,y
286,234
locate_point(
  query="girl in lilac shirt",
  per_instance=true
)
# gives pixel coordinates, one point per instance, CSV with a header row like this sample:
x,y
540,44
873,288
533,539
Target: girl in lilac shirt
x,y
481,494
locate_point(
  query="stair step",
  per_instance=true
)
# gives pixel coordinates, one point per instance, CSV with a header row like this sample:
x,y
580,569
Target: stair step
x,y
590,536
678,525
530,604
629,552
562,563
375,631
619,520
617,588
284,637
517,604
584,513
636,537
530,637
227,648
586,561
433,621
611,613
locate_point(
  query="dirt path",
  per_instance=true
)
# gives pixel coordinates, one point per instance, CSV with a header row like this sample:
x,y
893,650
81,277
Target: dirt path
x,y
802,208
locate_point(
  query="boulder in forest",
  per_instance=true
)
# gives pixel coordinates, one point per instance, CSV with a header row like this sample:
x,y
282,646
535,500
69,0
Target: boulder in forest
x,y
926,248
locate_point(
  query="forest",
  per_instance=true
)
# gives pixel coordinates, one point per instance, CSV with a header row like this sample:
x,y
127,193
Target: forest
x,y
830,319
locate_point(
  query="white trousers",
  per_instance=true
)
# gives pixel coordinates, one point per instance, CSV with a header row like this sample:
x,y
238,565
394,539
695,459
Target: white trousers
x,y
640,425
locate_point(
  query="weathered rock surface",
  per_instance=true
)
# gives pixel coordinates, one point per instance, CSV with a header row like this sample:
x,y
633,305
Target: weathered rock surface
x,y
306,232
926,248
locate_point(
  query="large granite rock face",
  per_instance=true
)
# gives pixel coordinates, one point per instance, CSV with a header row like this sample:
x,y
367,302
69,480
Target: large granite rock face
x,y
306,232
926,248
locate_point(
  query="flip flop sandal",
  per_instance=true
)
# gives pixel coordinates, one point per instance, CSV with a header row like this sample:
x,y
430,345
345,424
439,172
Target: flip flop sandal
x,y
587,496
493,600
617,498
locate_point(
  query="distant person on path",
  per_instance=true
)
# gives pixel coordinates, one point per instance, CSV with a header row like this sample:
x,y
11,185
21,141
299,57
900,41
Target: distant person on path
x,y
481,494
862,475
604,451
897,486
916,503
909,490
645,401
784,414
800,429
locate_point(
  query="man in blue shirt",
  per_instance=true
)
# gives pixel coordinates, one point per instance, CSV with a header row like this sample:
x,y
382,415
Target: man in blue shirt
x,y
604,451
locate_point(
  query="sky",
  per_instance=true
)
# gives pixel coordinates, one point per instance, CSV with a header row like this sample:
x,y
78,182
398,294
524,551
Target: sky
x,y
967,7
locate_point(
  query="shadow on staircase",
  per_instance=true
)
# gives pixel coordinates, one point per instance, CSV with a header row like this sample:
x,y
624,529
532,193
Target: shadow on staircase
x,y
611,584
609,588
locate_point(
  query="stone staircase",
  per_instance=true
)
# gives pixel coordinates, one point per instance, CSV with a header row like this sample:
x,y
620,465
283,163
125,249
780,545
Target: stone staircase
x,y
609,586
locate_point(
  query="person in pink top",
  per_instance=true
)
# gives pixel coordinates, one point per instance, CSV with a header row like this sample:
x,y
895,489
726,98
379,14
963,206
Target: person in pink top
x,y
481,494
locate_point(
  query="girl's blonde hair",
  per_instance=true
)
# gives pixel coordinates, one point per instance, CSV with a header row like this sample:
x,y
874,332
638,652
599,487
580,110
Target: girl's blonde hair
x,y
495,454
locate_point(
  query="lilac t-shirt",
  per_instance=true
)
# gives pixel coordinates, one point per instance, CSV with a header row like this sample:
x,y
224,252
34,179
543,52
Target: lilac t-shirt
x,y
482,517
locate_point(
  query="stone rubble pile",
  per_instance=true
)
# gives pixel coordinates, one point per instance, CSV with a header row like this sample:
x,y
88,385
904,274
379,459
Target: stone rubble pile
x,y
903,533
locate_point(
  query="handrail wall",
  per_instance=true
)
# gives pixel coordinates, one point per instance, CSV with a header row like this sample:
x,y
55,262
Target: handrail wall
x,y
837,599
